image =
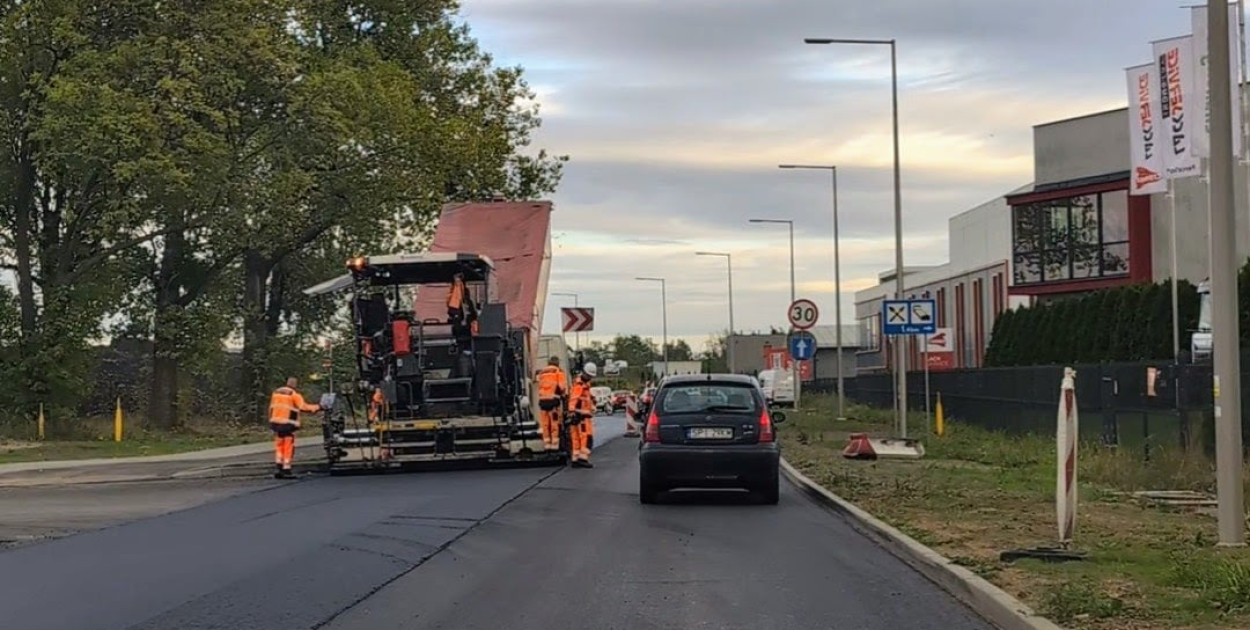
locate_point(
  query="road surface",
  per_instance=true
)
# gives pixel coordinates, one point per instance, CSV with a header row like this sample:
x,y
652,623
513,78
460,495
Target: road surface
x,y
531,549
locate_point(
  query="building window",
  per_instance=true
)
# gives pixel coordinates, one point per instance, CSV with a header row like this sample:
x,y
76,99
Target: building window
x,y
978,321
871,327
997,300
1071,239
961,325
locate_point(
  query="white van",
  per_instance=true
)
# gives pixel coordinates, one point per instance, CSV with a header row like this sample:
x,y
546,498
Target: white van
x,y
778,386
603,398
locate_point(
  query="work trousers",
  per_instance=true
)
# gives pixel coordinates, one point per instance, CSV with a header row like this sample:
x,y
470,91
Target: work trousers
x,y
580,435
549,424
283,444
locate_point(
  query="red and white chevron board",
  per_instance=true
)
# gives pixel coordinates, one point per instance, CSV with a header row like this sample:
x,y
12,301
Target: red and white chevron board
x,y
578,319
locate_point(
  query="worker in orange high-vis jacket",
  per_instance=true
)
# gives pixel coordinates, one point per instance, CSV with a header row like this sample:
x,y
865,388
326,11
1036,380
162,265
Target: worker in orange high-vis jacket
x,y
376,403
285,405
552,390
581,418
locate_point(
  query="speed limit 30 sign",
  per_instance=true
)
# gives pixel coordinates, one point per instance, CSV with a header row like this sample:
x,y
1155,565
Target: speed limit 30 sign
x,y
803,314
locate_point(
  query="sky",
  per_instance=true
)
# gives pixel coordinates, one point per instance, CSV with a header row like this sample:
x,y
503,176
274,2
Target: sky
x,y
676,113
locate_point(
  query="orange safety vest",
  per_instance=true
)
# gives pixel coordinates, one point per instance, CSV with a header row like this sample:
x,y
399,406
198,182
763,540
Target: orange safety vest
x,y
456,296
551,382
285,405
581,399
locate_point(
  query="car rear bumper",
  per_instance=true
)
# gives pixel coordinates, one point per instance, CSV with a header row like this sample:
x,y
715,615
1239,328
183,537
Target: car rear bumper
x,y
679,466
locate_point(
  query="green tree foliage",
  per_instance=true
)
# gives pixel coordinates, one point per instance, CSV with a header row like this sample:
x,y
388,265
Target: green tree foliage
x,y
1129,323
634,350
183,170
679,351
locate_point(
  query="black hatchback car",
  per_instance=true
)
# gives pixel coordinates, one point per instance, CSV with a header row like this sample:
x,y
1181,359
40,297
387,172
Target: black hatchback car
x,y
710,431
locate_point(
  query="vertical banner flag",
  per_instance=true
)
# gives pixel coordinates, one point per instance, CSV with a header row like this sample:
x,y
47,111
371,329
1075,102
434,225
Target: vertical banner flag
x,y
1201,146
1145,132
1179,117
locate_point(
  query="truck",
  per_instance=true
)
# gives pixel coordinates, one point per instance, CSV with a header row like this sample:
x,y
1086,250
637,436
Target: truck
x,y
1202,342
447,344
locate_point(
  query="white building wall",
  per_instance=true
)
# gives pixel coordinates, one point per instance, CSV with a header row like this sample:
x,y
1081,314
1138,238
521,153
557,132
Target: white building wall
x,y
1193,228
980,236
1086,146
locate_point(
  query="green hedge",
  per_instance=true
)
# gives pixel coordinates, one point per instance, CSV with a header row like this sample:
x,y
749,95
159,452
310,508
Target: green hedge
x,y
1130,323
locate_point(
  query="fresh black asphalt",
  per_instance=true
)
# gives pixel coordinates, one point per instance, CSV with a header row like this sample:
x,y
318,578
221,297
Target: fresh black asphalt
x,y
528,549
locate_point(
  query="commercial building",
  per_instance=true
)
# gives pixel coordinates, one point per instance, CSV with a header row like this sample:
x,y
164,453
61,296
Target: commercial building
x,y
970,291
1078,229
752,352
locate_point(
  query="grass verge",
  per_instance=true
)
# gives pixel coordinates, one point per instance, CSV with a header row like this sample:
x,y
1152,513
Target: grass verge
x,y
978,493
95,440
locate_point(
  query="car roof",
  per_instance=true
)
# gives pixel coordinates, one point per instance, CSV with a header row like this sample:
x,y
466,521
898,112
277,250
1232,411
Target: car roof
x,y
693,379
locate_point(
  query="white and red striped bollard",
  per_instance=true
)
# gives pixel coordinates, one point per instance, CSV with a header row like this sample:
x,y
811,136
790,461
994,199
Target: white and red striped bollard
x,y
1066,436
631,417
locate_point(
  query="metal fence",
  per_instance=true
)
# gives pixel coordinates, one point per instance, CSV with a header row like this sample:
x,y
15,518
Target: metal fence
x,y
1118,406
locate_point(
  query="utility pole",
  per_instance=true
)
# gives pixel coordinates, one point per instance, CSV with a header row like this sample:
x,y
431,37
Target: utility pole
x,y
729,351
900,356
837,282
1226,331
795,374
664,315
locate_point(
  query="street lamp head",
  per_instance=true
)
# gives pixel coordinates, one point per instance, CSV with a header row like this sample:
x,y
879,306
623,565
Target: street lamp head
x,y
710,254
829,40
650,279
809,166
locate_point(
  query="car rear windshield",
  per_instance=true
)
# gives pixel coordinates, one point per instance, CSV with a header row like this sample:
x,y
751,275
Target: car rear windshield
x,y
708,397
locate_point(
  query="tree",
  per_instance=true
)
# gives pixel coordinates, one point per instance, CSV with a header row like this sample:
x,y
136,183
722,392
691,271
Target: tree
x,y
430,121
680,351
634,350
83,164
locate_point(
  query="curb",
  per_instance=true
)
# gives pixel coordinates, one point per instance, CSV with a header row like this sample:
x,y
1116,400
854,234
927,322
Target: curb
x,y
223,452
995,605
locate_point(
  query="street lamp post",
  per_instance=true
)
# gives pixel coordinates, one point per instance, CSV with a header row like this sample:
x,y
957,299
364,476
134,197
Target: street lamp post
x,y
837,281
577,336
900,361
729,350
794,365
664,315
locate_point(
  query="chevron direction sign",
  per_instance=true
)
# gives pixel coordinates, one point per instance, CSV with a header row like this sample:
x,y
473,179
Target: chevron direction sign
x,y
578,319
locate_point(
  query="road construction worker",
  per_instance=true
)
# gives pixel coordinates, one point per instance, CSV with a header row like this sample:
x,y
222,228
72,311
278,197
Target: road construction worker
x,y
582,417
375,405
552,390
285,405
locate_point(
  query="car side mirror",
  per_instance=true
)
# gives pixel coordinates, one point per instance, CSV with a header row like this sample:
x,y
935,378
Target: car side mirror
x,y
778,416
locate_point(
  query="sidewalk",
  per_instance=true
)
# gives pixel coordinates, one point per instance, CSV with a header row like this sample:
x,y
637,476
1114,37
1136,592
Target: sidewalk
x,y
227,452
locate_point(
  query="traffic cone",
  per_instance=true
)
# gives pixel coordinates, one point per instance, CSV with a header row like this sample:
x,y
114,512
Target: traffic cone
x,y
859,447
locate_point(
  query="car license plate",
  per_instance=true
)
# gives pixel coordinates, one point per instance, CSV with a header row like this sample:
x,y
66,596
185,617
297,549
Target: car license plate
x,y
710,433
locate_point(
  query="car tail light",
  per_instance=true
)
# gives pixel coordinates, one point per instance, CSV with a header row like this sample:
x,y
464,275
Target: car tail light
x,y
766,427
652,432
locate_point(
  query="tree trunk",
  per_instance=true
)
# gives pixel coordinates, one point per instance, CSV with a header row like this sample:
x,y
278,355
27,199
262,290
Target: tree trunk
x,y
256,271
163,403
23,241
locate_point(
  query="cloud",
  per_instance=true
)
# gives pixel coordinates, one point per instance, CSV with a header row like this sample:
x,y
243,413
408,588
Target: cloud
x,y
675,114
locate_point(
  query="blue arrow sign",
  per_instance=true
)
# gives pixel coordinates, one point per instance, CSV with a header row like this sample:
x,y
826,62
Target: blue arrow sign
x,y
802,346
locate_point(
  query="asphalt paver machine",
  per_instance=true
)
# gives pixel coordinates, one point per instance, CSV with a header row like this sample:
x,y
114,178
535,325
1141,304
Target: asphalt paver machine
x,y
435,384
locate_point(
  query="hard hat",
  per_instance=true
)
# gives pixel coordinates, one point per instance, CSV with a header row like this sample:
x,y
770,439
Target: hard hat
x,y
590,369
